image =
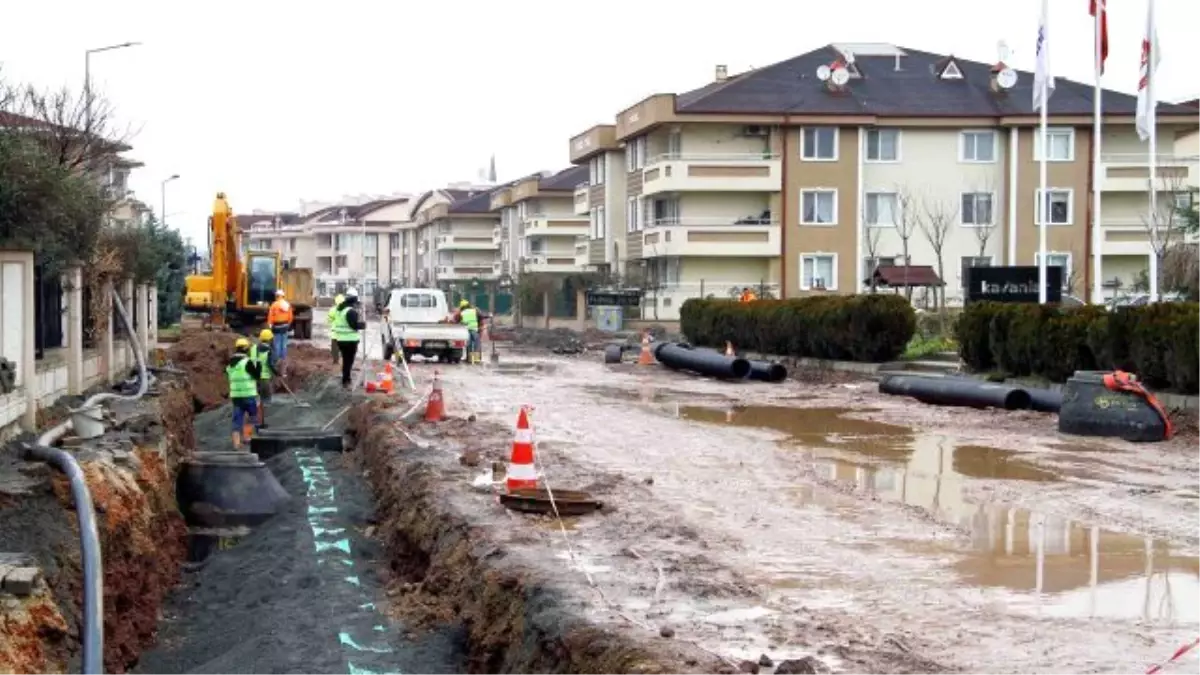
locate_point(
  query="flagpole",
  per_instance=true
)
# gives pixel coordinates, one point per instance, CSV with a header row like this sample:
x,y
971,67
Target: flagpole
x,y
1042,197
1152,114
1097,113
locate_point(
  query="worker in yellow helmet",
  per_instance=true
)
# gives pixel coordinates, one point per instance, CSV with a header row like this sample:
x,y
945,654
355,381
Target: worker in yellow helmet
x,y
243,373
269,365
333,347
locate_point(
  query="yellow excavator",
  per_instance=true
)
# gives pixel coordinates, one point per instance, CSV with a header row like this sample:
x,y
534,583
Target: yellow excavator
x,y
237,293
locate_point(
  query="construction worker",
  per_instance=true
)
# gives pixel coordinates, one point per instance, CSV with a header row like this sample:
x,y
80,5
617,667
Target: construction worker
x,y
747,295
333,348
469,316
263,354
344,327
243,373
279,320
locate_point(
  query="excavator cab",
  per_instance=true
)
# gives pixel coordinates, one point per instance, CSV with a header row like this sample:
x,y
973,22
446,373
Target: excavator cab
x,y
262,277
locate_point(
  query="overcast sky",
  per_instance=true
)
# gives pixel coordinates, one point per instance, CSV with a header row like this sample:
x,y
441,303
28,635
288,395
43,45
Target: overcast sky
x,y
275,101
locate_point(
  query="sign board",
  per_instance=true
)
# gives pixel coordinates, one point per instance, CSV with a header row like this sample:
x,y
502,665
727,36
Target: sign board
x,y
614,298
1011,284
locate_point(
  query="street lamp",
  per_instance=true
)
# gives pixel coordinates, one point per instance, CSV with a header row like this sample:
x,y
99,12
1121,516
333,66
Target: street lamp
x,y
162,219
87,75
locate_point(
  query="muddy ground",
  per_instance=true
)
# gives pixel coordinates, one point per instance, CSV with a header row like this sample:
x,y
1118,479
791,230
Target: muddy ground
x,y
286,598
819,518
130,473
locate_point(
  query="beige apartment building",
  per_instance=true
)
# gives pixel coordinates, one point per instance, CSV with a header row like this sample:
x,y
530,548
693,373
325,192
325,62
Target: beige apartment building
x,y
807,174
455,238
538,227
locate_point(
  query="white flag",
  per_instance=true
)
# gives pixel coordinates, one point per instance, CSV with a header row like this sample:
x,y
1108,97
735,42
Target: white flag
x,y
1043,81
1151,55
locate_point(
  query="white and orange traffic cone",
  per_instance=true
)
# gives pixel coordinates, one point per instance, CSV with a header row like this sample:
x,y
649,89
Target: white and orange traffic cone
x,y
521,473
729,349
645,358
387,381
435,408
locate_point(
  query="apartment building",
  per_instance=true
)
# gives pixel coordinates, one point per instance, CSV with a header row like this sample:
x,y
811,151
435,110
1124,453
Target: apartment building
x,y
455,237
538,227
602,199
810,172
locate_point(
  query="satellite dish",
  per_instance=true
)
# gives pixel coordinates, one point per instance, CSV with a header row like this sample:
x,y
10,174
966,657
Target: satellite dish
x,y
840,76
1006,78
823,72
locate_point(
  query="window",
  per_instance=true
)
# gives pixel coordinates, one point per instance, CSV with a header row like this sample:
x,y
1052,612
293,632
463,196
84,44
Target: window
x,y
1058,207
674,143
665,212
631,215
883,145
1057,259
818,272
1061,143
1183,200
599,224
819,144
394,265
370,265
535,246
881,209
394,241
976,209
870,264
522,211
417,300
818,207
291,244
977,146
635,154
597,170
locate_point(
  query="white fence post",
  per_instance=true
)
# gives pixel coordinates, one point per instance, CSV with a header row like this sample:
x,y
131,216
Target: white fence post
x,y
73,289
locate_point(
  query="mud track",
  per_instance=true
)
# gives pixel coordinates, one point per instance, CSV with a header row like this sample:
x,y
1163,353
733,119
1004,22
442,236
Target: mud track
x,y
447,568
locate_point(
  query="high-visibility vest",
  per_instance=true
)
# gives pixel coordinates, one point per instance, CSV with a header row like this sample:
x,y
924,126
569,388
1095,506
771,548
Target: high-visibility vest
x,y
337,302
470,318
241,384
340,327
280,312
262,354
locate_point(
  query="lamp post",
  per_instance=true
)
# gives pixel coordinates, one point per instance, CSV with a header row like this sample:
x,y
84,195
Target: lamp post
x,y
162,218
87,65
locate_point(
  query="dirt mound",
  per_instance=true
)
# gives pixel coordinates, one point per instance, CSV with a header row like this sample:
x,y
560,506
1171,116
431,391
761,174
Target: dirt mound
x,y
131,475
203,354
445,567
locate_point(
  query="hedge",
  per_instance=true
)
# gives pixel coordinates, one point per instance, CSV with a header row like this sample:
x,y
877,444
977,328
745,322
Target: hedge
x,y
870,328
1159,342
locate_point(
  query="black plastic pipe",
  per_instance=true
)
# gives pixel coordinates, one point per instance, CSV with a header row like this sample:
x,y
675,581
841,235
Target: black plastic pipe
x,y
89,543
767,371
959,391
702,361
1045,400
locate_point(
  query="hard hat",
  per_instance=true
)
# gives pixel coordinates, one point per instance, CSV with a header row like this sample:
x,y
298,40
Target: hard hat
x,y
279,292
241,343
352,292
464,303
266,334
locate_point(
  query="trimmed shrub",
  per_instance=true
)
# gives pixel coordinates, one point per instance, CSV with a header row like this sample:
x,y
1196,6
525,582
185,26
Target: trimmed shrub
x,y
869,328
1159,342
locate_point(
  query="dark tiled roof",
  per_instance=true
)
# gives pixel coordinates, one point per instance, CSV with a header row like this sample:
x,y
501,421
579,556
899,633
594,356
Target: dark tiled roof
x,y
792,86
910,275
378,204
471,202
566,179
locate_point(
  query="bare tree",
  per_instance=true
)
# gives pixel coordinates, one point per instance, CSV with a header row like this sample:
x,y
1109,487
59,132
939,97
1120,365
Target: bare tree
x,y
1166,225
871,236
906,220
78,132
984,228
937,218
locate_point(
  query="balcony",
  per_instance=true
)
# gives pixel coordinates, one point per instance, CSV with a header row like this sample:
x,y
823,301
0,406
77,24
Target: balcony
x,y
1131,236
497,236
541,225
451,242
581,253
549,262
464,272
711,237
761,172
582,203
1131,172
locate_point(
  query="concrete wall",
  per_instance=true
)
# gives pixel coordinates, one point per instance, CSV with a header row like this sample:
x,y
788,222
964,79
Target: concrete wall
x,y
71,369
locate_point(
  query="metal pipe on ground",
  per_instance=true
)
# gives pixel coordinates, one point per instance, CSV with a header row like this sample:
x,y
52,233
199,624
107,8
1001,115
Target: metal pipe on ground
x,y
704,362
1045,400
956,391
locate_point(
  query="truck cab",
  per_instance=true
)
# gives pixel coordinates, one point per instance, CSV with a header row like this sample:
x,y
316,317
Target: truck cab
x,y
416,322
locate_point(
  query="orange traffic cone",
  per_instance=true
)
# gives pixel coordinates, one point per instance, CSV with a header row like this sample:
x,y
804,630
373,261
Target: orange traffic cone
x,y
387,381
645,358
435,409
521,473
729,349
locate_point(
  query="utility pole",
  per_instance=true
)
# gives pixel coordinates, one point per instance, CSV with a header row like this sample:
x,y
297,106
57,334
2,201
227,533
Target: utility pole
x,y
87,77
162,218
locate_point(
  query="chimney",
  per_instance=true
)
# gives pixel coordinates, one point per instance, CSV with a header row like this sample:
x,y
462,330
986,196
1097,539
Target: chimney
x,y
897,62
722,73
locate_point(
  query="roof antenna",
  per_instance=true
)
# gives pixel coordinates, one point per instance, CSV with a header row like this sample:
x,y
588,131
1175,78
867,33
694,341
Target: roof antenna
x,y
897,61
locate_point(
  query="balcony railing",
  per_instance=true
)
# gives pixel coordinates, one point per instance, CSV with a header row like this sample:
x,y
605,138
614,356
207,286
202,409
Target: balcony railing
x,y
713,172
713,221
711,157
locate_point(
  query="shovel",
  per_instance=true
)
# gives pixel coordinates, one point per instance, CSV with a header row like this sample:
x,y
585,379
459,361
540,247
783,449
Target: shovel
x,y
493,357
297,401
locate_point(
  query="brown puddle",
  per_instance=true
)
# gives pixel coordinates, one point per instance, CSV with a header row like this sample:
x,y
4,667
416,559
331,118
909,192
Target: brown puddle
x,y
649,394
1075,569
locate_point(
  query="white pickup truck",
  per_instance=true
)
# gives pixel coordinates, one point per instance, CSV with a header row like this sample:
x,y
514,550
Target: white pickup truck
x,y
414,323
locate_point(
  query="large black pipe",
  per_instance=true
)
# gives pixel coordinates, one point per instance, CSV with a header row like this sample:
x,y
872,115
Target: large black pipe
x,y
702,361
956,391
89,543
767,371
1045,400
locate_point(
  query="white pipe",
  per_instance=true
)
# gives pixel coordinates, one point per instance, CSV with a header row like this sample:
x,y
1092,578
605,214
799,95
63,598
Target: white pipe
x,y
1097,111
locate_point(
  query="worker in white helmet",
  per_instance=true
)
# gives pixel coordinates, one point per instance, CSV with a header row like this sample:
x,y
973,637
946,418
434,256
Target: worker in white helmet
x,y
345,322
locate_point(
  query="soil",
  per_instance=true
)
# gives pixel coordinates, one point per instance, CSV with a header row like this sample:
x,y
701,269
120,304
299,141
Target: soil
x,y
448,564
130,472
204,355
